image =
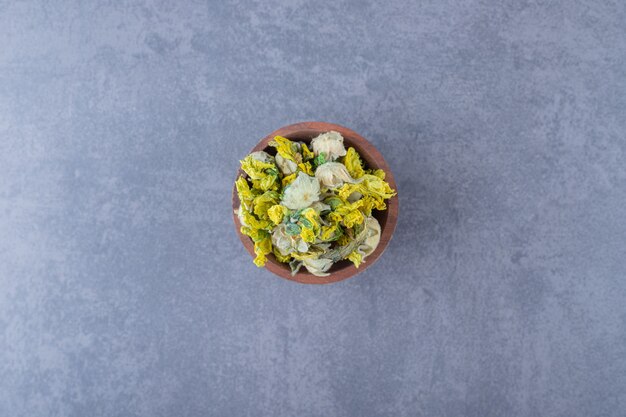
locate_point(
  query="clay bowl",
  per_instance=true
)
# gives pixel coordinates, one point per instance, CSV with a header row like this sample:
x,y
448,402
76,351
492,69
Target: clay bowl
x,y
372,158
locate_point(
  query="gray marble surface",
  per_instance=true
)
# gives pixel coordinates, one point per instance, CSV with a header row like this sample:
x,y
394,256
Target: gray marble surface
x,y
124,290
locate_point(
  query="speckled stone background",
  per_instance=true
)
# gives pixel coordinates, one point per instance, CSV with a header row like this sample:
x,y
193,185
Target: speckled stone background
x,y
124,290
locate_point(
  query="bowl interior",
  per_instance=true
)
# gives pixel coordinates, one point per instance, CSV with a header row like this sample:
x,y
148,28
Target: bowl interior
x,y
305,132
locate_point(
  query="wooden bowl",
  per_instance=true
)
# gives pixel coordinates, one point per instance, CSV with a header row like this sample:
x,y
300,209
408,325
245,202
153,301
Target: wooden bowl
x,y
304,132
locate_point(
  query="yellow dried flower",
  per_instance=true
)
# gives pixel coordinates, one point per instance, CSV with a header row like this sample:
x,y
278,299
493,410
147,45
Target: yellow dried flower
x,y
348,213
288,179
255,234
287,156
307,235
353,218
306,168
276,213
261,249
306,153
312,217
280,257
368,186
331,233
356,258
246,195
343,240
353,163
247,219
264,202
264,175
379,173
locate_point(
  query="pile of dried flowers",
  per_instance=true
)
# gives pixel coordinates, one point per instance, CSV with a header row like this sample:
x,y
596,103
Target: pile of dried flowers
x,y
311,207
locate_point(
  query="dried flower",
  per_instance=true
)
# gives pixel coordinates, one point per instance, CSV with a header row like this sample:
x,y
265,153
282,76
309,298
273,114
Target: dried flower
x,y
372,239
330,144
353,163
333,174
287,166
318,267
302,192
287,243
262,156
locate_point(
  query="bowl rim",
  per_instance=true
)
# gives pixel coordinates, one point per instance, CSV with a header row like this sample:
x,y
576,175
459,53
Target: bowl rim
x,y
364,146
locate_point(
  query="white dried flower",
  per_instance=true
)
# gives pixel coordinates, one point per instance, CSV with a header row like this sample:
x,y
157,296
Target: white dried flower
x,y
373,237
318,267
333,174
286,243
302,192
262,156
287,166
329,143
